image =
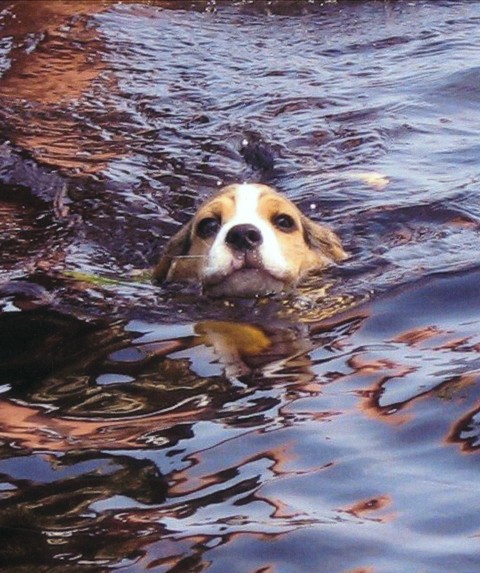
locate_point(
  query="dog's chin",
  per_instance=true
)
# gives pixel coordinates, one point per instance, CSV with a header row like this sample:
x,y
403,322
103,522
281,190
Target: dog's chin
x,y
245,282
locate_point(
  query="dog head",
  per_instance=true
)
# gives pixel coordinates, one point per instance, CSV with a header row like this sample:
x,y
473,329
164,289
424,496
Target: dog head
x,y
246,241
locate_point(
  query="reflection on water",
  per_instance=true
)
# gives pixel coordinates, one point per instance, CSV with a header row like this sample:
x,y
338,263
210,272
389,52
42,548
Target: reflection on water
x,y
144,442
335,430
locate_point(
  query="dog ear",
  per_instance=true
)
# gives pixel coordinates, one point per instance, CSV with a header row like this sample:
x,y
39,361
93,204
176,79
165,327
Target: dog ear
x,y
323,241
177,246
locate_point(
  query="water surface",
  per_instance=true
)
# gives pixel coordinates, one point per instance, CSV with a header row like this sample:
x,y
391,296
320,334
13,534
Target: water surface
x,y
336,430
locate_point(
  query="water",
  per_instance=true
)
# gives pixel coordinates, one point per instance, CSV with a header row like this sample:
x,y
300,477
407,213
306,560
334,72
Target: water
x,y
336,430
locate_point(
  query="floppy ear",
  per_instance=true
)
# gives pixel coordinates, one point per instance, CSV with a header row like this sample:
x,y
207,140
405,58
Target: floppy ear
x,y
323,241
177,246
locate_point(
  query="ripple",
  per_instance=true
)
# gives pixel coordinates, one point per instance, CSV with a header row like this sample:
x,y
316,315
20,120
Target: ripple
x,y
145,428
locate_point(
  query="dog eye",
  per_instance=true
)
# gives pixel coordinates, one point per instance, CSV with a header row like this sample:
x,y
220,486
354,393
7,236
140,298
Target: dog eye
x,y
284,222
208,227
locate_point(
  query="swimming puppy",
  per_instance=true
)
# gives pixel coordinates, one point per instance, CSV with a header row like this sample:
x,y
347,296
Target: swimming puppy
x,y
247,241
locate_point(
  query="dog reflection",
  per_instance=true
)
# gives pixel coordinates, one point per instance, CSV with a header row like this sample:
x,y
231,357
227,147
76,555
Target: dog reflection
x,y
244,348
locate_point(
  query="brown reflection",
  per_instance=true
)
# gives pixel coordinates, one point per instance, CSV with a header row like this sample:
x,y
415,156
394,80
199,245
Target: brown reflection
x,y
234,343
370,508
245,348
47,66
56,58
417,336
35,429
466,431
93,385
377,373
193,479
165,385
21,19
51,359
453,389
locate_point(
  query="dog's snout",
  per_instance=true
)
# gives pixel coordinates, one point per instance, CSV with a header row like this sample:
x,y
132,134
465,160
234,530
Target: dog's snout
x,y
244,238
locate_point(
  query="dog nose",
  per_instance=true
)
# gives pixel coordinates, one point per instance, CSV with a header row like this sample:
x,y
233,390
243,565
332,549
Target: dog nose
x,y
244,238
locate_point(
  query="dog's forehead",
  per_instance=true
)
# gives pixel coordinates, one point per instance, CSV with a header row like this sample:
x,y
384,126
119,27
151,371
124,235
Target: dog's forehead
x,y
238,193
248,197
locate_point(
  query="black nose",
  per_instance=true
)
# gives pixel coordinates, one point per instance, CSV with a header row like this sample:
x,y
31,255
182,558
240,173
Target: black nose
x,y
244,238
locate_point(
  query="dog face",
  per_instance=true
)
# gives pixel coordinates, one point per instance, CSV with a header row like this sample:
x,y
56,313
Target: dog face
x,y
246,241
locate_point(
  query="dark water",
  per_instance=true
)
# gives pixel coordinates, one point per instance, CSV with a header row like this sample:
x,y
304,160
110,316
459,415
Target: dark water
x,y
146,429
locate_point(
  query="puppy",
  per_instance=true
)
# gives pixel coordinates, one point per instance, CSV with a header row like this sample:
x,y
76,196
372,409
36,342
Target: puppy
x,y
247,241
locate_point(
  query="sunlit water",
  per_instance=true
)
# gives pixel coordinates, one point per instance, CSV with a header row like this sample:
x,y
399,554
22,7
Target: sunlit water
x,y
335,430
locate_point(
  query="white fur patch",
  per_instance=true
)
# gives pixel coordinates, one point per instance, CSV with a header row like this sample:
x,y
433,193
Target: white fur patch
x,y
246,203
